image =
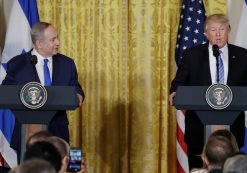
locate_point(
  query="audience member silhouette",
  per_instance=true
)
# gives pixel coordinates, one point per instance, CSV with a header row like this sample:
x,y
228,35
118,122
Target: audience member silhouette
x,y
63,148
38,136
236,164
217,149
35,166
46,151
229,136
4,169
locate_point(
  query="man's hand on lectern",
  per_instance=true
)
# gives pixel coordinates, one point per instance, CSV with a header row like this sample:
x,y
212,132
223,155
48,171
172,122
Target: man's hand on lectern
x,y
171,96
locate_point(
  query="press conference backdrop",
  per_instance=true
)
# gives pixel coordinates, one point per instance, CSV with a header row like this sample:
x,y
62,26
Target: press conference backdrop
x,y
124,52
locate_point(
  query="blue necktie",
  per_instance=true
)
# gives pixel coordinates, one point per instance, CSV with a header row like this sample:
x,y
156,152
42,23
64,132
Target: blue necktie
x,y
47,77
221,69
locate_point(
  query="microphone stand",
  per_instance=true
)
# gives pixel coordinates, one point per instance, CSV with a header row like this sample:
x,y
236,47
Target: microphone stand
x,y
216,55
217,69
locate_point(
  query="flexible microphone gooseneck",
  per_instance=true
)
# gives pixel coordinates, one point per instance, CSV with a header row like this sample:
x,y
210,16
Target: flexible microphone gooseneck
x,y
216,54
34,61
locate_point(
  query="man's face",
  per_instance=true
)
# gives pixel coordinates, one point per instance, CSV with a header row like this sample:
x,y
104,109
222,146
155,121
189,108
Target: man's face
x,y
217,33
49,45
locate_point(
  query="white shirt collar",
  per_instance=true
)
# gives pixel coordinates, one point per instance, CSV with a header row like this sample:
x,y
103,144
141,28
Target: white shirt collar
x,y
212,62
40,58
40,64
224,49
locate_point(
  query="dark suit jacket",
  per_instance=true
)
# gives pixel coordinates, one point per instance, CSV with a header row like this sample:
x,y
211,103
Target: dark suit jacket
x,y
195,71
4,169
20,71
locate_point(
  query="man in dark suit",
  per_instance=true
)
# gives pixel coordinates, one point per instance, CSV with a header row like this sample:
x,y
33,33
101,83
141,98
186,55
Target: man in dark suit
x,y
62,72
198,68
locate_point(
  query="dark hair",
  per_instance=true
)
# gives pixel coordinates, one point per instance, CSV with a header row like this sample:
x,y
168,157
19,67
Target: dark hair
x,y
227,134
39,136
46,151
36,166
61,145
4,169
236,164
217,150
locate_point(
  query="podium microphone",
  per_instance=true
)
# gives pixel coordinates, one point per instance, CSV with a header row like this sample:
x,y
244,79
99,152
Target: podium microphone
x,y
34,61
216,50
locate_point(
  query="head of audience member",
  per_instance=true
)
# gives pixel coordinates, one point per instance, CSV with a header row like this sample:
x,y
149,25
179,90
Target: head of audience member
x,y
216,151
45,39
63,148
15,169
4,169
39,136
229,136
36,166
236,164
217,29
46,151
215,171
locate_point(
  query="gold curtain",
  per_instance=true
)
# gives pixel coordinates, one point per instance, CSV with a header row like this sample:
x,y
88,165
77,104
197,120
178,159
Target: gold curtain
x,y
124,52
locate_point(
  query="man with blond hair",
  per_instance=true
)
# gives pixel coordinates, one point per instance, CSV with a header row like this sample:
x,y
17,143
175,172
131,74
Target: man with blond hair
x,y
198,68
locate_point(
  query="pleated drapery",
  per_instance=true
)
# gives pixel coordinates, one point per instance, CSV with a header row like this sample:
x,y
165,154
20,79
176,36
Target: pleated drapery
x,y
124,53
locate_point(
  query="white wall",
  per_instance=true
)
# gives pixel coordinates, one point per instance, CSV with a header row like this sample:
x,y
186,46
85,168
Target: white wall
x,y
5,8
234,16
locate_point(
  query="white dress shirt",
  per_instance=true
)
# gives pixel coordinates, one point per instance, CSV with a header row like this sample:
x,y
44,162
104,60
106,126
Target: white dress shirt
x,y
212,63
40,66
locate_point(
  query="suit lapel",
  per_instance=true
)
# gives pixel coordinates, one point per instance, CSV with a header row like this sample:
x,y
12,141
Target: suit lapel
x,y
231,58
206,70
30,66
55,69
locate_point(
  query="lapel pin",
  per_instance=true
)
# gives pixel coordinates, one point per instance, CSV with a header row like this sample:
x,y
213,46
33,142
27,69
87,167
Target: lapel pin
x,y
233,56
